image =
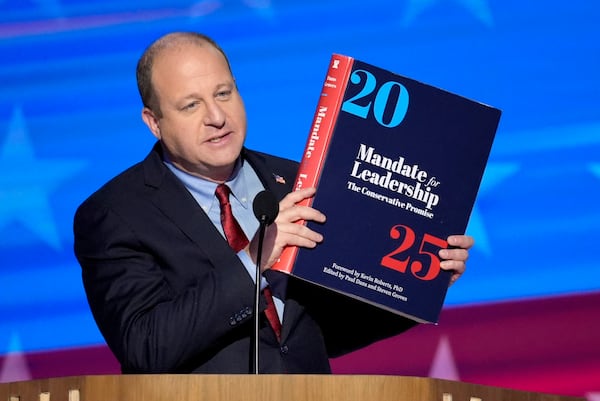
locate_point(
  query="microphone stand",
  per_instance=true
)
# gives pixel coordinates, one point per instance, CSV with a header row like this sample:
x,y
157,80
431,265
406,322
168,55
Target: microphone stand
x,y
261,236
265,208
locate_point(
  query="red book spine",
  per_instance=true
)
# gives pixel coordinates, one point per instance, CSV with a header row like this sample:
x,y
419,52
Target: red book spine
x,y
319,137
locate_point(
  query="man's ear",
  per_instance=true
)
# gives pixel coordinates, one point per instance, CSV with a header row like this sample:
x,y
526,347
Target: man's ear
x,y
151,122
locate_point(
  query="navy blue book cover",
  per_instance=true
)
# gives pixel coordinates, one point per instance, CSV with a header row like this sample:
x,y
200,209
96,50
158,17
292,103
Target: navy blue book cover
x,y
401,173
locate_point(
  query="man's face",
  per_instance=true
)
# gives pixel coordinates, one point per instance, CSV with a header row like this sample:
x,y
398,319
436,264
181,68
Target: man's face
x,y
203,122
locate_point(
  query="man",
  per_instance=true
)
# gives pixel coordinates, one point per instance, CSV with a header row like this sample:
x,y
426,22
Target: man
x,y
168,292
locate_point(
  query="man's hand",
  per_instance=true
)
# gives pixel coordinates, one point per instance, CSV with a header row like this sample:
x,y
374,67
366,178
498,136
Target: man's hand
x,y
455,259
285,232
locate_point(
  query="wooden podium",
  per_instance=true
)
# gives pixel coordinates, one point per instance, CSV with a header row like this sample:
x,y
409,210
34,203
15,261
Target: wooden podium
x,y
259,388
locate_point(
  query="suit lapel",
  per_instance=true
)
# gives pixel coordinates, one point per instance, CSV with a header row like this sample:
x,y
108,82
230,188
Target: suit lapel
x,y
278,182
174,200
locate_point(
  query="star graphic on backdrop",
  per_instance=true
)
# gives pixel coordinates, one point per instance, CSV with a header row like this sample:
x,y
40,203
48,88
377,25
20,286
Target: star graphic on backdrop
x,y
548,139
443,365
495,173
593,396
15,367
27,183
480,9
203,8
47,7
50,7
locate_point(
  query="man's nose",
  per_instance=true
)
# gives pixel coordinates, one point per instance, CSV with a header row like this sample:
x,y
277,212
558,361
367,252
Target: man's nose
x,y
215,115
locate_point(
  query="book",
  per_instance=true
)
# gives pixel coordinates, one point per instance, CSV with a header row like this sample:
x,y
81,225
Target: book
x,y
397,164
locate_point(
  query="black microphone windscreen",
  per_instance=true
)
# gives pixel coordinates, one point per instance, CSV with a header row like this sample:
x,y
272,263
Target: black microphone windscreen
x,y
266,207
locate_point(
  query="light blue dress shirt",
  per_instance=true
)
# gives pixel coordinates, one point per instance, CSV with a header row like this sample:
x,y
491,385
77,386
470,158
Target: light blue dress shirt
x,y
244,185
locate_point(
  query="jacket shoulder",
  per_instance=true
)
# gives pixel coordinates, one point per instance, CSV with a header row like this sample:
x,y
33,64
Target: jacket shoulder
x,y
267,163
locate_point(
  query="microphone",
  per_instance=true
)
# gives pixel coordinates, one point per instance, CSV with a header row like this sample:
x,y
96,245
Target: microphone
x,y
266,209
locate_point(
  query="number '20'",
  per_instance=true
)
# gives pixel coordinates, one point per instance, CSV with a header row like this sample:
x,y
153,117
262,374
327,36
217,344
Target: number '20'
x,y
382,98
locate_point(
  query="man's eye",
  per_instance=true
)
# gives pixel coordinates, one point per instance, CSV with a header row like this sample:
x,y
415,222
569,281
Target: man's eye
x,y
224,94
190,106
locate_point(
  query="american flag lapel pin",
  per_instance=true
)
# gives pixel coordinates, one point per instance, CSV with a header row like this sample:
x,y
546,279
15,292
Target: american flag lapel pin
x,y
278,179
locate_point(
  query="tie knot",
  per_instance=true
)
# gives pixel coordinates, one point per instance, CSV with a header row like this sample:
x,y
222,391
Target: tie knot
x,y
222,194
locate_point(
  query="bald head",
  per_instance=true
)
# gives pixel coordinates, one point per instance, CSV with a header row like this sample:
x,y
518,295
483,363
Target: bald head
x,y
146,62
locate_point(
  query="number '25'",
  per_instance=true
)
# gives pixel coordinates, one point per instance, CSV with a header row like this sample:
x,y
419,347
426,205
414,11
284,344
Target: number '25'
x,y
425,266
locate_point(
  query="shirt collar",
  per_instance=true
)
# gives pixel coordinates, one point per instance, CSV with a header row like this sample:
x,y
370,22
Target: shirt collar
x,y
204,190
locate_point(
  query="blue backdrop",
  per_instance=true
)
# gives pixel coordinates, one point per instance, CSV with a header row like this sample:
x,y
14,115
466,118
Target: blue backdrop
x,y
70,120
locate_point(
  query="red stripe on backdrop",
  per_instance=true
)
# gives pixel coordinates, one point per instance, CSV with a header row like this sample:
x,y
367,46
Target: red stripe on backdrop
x,y
64,362
547,345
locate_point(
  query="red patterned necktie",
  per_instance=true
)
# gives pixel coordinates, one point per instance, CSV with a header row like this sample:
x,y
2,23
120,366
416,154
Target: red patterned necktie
x,y
237,241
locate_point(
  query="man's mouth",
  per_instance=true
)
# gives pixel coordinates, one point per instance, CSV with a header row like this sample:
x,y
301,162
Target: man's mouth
x,y
218,138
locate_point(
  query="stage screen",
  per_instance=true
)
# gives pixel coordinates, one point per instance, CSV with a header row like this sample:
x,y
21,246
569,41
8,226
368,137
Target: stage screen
x,y
70,121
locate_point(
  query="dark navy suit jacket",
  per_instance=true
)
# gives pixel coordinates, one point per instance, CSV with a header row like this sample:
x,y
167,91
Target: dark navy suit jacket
x,y
170,296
